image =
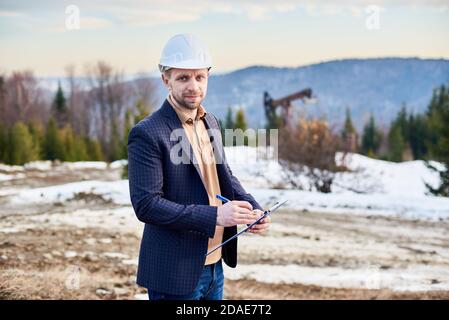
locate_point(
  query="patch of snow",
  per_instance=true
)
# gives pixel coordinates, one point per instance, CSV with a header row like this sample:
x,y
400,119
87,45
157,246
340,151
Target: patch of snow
x,y
70,254
365,175
121,219
118,164
141,296
386,188
116,191
403,206
8,168
132,262
10,191
101,165
10,230
378,176
113,255
90,241
7,177
38,165
412,278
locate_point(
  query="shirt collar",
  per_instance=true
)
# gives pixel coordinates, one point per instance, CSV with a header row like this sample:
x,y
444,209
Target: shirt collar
x,y
183,115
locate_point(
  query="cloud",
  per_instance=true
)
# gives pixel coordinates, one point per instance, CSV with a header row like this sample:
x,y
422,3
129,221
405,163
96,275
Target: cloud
x,y
141,13
10,14
95,23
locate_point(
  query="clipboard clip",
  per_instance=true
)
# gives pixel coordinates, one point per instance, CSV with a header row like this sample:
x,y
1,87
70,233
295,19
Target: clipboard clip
x,y
265,214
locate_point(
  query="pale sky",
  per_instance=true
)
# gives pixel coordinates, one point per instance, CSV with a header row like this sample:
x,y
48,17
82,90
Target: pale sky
x,y
130,34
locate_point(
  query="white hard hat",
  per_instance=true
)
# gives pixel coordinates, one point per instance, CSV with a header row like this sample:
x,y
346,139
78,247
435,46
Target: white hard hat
x,y
185,51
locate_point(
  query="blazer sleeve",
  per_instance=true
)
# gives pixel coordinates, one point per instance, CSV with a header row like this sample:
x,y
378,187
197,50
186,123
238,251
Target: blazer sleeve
x,y
145,174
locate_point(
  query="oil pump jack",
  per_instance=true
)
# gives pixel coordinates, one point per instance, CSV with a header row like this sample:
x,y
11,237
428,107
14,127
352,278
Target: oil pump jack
x,y
273,120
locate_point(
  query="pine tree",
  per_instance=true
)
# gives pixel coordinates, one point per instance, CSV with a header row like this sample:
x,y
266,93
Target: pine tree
x,y
438,117
37,132
418,135
3,143
94,149
60,101
143,110
371,138
54,148
222,131
22,149
240,123
349,133
128,125
69,143
60,110
396,143
115,144
80,149
229,122
348,127
402,121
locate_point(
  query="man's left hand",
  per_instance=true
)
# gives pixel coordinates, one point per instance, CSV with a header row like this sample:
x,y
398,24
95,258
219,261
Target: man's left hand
x,y
263,225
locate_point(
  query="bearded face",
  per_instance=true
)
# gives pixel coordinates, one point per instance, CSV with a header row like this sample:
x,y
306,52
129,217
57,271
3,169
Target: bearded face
x,y
187,87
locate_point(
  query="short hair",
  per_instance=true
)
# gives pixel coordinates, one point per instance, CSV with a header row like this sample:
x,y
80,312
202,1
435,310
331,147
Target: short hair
x,y
167,70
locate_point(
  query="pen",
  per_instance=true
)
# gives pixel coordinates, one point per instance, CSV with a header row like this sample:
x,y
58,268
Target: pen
x,y
223,199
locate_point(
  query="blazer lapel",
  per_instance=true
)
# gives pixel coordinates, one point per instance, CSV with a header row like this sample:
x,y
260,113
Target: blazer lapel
x,y
175,124
215,137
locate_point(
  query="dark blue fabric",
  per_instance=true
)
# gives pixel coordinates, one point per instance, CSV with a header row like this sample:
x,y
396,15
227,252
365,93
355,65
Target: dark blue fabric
x,y
172,202
209,287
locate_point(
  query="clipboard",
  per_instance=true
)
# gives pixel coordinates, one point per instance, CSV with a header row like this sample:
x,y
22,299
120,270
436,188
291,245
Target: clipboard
x,y
265,214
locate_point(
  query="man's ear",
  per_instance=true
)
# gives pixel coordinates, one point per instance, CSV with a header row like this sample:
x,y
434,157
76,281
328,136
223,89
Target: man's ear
x,y
164,80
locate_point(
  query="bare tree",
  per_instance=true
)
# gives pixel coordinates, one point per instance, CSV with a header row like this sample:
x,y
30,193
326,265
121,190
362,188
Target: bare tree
x,y
145,89
80,112
310,149
109,94
22,99
2,97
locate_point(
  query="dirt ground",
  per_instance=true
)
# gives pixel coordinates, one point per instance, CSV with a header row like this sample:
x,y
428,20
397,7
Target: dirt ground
x,y
37,264
86,248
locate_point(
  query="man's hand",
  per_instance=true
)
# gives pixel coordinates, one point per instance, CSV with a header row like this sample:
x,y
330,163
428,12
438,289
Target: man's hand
x,y
233,213
263,225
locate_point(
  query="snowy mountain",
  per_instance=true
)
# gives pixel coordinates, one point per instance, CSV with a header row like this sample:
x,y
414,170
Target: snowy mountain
x,y
379,86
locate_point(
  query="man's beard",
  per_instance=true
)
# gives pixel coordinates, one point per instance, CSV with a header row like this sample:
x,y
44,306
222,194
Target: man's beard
x,y
185,104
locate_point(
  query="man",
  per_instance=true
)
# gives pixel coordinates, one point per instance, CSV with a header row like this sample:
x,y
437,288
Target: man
x,y
177,166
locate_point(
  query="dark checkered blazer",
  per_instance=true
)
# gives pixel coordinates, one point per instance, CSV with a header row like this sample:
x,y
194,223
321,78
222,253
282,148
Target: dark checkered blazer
x,y
172,202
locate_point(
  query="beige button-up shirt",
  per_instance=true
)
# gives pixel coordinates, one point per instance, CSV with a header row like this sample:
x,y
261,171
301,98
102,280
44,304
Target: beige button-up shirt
x,y
202,148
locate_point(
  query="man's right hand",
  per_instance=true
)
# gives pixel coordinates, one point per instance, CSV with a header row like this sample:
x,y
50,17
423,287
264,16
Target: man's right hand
x,y
233,213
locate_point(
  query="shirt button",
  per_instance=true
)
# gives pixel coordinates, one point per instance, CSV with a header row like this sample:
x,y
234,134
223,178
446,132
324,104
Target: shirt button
x,y
189,121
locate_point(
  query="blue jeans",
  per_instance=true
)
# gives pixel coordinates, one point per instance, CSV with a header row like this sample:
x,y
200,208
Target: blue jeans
x,y
209,287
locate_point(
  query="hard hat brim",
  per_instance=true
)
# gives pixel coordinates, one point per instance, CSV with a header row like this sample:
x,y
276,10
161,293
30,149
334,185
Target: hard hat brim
x,y
187,64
